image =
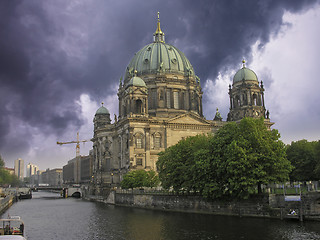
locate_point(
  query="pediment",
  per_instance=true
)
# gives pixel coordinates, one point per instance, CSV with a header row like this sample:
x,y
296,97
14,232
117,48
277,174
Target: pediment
x,y
138,91
189,118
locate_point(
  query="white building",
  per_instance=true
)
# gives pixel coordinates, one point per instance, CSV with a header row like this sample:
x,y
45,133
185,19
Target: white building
x,y
31,170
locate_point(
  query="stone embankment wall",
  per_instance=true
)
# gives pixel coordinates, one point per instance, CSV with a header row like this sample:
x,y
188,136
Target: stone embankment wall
x,y
263,206
258,207
5,203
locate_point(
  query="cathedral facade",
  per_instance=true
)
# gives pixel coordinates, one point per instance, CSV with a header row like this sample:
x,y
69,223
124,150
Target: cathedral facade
x,y
160,103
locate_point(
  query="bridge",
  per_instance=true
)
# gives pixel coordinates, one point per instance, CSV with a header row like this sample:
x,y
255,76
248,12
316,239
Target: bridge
x,y
66,191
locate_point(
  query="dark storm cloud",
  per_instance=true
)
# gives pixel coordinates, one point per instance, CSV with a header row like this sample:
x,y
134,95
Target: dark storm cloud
x,y
53,51
222,32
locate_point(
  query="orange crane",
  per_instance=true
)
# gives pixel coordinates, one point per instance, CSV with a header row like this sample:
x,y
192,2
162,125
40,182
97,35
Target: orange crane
x,y
77,146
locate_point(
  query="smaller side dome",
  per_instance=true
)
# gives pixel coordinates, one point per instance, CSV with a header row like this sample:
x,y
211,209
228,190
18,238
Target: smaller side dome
x,y
102,110
245,74
137,82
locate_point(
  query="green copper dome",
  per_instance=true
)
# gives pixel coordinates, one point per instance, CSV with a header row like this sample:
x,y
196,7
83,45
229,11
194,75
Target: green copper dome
x,y
137,82
245,74
158,57
102,110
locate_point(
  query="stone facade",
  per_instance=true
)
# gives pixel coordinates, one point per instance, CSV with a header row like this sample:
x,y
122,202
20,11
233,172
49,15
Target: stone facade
x,y
160,103
78,170
53,177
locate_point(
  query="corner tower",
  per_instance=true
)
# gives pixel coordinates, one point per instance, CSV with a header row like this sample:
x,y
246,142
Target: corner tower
x,y
246,96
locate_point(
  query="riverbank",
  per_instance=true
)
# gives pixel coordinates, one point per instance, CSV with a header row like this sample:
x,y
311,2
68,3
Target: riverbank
x,y
6,202
263,206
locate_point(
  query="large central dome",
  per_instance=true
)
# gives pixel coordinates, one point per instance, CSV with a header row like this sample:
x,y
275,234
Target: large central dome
x,y
159,82
159,57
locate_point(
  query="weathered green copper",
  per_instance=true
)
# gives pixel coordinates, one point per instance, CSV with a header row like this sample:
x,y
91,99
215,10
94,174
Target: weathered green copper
x,y
102,110
159,57
245,74
137,82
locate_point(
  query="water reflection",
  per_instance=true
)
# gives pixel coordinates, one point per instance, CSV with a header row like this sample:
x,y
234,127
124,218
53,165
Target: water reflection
x,y
47,216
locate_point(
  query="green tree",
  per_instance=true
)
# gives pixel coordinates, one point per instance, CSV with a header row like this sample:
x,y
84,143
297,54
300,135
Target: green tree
x,y
317,158
231,164
183,166
140,178
246,155
305,158
1,162
5,177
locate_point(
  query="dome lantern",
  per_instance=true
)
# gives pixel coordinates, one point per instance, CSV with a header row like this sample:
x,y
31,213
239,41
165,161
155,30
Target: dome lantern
x,y
158,36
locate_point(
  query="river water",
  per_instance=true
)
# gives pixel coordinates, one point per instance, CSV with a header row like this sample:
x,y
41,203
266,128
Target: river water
x,y
47,216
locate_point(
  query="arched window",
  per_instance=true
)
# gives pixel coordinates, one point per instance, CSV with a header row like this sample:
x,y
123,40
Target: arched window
x,y
157,140
254,99
238,103
138,106
244,97
139,140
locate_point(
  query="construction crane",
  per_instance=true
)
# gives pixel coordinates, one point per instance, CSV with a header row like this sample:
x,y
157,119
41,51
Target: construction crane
x,y
77,146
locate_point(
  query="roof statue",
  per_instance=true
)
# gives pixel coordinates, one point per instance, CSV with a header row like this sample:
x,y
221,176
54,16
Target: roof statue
x,y
217,117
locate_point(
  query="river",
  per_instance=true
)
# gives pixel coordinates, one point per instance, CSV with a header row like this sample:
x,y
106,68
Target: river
x,y
47,216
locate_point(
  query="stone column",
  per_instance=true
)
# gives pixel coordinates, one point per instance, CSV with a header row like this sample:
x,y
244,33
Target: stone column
x,y
231,106
147,146
262,95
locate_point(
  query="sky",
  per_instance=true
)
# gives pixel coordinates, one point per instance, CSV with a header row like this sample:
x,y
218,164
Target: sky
x,y
60,59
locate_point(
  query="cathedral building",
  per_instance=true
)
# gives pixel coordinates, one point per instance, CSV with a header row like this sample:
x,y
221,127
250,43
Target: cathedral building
x,y
160,103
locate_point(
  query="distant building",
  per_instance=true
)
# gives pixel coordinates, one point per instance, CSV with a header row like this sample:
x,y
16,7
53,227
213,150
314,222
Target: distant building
x,y
19,168
78,170
34,179
31,170
52,177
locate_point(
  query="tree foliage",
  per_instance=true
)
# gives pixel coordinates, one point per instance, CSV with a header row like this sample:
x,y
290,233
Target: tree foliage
x,y
305,158
183,166
231,164
140,178
1,162
5,177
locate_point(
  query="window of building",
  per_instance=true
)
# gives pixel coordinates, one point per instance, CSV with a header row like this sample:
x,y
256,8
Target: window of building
x,y
168,99
157,141
138,106
255,99
176,100
161,95
139,141
154,98
139,161
238,101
